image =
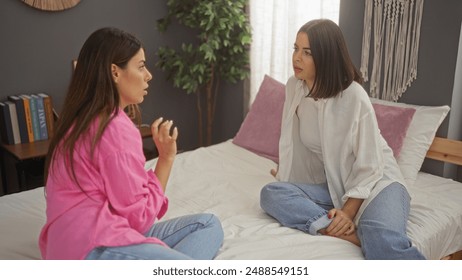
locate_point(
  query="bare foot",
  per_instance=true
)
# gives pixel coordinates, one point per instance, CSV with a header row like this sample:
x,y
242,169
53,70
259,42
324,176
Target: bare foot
x,y
353,238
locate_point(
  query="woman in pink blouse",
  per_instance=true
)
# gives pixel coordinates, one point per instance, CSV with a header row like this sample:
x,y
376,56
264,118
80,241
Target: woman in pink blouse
x,y
101,202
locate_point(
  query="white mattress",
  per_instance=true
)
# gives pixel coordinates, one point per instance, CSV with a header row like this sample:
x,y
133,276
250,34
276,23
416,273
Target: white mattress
x,y
226,180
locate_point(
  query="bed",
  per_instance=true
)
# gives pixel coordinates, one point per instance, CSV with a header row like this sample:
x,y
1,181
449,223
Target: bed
x,y
225,179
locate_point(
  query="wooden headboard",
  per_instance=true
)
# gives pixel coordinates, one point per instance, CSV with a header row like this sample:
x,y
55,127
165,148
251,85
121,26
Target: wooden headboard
x,y
446,150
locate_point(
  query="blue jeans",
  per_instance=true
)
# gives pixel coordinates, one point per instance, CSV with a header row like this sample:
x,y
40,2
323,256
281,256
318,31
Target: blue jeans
x,y
381,228
196,236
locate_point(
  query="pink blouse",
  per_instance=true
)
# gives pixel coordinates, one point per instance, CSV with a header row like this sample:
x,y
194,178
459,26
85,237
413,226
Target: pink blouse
x,y
121,199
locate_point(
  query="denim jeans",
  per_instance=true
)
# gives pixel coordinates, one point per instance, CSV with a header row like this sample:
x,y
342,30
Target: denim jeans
x,y
381,228
197,236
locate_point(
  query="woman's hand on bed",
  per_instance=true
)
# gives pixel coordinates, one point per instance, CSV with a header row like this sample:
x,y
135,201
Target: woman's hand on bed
x,y
274,172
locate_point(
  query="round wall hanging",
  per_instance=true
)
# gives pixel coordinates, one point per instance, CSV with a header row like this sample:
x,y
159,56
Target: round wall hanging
x,y
52,5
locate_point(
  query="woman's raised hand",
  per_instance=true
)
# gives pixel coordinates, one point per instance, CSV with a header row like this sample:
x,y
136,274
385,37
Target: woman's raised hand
x,y
164,140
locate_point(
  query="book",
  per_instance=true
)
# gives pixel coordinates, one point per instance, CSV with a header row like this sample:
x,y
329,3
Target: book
x,y
14,122
6,129
24,136
34,117
42,118
30,130
49,114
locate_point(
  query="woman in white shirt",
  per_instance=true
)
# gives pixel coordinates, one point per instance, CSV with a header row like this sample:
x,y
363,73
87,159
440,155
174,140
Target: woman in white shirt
x,y
337,175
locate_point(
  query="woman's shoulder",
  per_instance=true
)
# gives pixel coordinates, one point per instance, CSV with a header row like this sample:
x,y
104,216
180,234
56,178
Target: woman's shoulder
x,y
356,91
121,131
353,98
120,121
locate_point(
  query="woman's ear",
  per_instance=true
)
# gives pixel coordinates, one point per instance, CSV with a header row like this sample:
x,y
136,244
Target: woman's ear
x,y
115,72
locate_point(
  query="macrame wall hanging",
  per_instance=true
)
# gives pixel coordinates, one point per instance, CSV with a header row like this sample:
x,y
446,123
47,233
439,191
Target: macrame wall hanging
x,y
395,25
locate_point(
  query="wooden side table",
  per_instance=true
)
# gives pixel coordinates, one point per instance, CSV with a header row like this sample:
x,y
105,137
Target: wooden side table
x,y
20,153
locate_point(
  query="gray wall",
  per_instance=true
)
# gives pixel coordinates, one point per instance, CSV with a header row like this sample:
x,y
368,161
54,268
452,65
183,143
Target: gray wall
x,y
438,53
37,47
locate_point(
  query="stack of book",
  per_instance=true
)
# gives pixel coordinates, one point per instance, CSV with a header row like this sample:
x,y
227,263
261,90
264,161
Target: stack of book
x,y
26,118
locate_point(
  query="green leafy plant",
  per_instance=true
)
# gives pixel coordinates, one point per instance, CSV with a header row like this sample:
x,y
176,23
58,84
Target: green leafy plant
x,y
220,53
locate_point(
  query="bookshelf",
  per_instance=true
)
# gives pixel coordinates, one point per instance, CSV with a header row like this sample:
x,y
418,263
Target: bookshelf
x,y
21,155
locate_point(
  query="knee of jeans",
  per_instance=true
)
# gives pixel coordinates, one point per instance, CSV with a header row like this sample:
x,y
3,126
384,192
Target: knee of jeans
x,y
268,195
208,219
379,243
215,223
264,195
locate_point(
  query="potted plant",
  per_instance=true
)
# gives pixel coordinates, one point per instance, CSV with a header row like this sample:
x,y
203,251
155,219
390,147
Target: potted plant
x,y
220,53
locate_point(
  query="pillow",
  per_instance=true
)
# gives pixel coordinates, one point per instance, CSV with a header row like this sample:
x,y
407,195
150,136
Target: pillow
x,y
419,136
393,124
261,128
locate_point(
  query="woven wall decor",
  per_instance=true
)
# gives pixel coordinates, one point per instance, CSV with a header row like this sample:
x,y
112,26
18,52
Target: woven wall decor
x,y
395,25
52,5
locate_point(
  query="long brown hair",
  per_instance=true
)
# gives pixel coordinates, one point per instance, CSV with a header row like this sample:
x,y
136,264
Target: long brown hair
x,y
334,69
92,93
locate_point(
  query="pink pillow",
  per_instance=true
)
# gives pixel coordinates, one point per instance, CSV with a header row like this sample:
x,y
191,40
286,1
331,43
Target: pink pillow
x,y
261,128
393,124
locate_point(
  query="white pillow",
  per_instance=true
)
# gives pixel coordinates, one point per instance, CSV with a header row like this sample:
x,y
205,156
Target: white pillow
x,y
419,136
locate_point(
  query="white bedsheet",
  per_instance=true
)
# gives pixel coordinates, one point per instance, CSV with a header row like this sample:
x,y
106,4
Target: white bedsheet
x,y
225,180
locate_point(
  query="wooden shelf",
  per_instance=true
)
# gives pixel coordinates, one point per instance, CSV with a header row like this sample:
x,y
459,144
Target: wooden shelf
x,y
28,150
